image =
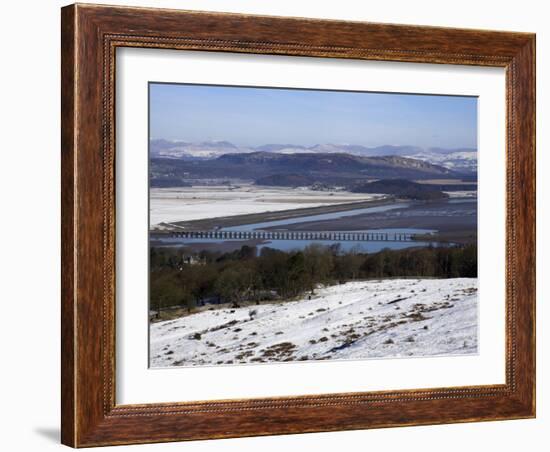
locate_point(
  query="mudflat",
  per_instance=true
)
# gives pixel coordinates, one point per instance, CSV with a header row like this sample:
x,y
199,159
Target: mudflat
x,y
454,221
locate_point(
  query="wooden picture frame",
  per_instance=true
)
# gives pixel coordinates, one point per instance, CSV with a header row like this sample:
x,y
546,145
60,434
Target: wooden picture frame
x,y
90,36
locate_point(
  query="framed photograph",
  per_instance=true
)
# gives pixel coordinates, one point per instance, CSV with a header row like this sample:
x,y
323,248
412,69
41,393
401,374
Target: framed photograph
x,y
282,225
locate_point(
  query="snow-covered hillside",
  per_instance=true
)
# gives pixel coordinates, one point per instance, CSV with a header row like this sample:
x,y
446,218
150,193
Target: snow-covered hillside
x,y
457,160
368,319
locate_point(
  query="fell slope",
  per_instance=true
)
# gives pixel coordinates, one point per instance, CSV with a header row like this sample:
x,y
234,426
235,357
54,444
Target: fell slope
x,y
356,320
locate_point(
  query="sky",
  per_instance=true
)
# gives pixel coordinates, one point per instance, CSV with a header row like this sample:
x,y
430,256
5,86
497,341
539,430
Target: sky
x,y
248,116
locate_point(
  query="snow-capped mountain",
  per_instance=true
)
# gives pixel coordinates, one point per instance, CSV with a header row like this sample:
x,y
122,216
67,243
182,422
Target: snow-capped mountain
x,y
203,150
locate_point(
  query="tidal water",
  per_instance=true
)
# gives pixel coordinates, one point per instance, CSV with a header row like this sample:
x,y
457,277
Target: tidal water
x,y
319,217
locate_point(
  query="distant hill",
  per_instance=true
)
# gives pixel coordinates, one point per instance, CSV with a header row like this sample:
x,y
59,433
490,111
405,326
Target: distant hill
x,y
401,188
268,168
341,166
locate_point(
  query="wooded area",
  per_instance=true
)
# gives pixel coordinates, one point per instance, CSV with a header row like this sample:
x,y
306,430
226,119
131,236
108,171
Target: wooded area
x,y
179,277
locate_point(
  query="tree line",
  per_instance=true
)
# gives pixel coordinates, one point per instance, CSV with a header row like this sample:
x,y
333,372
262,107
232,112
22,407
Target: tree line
x,y
179,277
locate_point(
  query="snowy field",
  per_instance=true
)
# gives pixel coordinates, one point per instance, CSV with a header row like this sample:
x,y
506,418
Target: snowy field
x,y
195,203
356,320
462,194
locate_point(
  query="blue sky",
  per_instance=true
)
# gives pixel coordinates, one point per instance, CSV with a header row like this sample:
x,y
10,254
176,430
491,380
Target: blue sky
x,y
255,116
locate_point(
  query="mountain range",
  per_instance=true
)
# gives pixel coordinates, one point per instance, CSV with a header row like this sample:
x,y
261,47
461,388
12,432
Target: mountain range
x,y
297,169
460,160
